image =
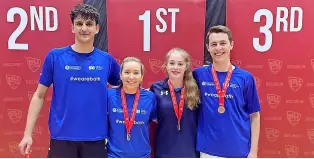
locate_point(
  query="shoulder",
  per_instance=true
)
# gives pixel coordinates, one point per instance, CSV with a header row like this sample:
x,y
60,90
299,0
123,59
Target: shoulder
x,y
55,52
201,69
147,93
103,54
113,91
159,85
244,73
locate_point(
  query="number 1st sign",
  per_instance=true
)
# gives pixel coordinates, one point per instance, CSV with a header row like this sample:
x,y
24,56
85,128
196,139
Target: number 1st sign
x,y
149,29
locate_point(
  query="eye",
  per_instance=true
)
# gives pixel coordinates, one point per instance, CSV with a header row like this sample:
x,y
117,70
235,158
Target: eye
x,y
79,24
180,64
89,24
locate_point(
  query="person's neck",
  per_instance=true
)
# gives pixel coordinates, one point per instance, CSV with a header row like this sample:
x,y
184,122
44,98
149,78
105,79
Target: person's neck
x,y
129,90
177,83
221,66
83,48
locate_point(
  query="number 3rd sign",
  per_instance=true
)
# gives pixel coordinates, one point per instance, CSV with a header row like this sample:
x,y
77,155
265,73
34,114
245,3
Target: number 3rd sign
x,y
148,29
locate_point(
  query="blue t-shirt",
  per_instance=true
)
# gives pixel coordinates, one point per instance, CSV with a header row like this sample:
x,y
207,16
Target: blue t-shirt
x,y
139,145
227,134
169,142
78,110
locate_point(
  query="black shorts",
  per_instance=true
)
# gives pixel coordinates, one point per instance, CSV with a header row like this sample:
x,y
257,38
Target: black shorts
x,y
77,149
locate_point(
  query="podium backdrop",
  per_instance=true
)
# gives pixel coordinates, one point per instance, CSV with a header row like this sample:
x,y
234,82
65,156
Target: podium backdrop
x,y
283,68
273,41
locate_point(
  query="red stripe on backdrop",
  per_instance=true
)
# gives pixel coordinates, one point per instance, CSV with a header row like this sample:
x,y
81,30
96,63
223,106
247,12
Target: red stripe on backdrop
x,y
21,63
282,63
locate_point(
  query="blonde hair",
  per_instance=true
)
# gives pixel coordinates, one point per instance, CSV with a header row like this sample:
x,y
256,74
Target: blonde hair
x,y
192,94
132,59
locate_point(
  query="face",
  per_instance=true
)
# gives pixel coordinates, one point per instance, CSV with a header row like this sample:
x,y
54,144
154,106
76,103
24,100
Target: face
x,y
131,75
219,47
84,30
176,66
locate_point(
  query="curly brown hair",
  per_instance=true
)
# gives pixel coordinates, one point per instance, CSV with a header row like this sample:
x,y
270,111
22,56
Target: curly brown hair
x,y
84,11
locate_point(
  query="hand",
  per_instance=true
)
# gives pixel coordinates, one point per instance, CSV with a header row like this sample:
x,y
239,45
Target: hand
x,y
25,145
252,155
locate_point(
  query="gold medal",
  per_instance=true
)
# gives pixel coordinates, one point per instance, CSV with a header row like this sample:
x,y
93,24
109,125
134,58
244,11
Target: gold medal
x,y
221,109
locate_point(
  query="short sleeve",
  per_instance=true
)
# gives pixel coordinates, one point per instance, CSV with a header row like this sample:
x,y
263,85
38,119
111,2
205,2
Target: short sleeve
x,y
251,96
46,75
114,73
195,77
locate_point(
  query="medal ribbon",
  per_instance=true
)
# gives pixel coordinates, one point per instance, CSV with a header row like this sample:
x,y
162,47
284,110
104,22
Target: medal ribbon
x,y
221,93
177,109
129,122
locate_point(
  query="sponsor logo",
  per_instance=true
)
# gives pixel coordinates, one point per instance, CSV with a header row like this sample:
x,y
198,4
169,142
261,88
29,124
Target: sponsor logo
x,y
292,151
38,130
13,81
14,115
11,64
272,134
68,68
254,66
295,66
14,149
293,118
13,99
271,152
274,84
236,62
98,68
138,111
14,133
295,101
273,100
33,64
311,97
309,119
273,118
195,64
155,65
309,153
258,82
310,134
163,93
292,135
31,82
30,95
295,83
310,84
207,83
274,65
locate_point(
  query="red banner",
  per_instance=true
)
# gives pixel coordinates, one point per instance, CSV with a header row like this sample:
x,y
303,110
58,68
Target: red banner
x,y
29,30
273,40
149,29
